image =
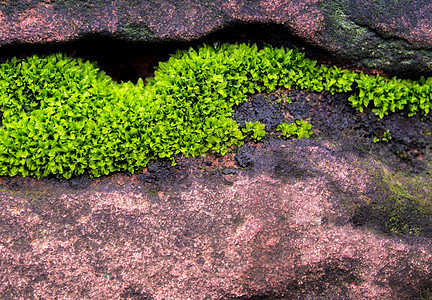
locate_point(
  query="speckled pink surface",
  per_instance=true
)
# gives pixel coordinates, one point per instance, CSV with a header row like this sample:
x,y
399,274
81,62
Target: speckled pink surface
x,y
203,235
181,20
47,21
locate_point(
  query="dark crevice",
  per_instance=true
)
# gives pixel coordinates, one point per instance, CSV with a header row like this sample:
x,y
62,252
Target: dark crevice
x,y
123,61
129,61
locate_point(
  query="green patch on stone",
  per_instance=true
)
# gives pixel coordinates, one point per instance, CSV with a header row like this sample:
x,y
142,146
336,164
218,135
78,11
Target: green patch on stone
x,y
404,206
408,207
365,47
426,293
342,30
136,32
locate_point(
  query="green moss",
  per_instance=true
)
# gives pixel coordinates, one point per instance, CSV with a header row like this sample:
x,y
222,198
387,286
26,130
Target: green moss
x,y
341,30
256,130
396,203
426,293
299,128
406,207
63,116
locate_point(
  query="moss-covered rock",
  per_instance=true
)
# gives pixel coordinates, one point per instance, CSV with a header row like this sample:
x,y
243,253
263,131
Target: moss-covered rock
x,y
405,206
401,205
365,33
393,36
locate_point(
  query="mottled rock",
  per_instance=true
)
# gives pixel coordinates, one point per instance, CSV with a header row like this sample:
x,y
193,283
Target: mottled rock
x,y
395,37
325,218
282,229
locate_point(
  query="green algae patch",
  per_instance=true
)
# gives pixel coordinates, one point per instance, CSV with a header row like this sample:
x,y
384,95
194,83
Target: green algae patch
x,y
407,209
401,205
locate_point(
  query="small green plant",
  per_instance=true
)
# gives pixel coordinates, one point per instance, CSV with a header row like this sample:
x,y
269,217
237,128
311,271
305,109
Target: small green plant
x,y
288,130
255,130
391,95
386,138
299,129
304,129
282,98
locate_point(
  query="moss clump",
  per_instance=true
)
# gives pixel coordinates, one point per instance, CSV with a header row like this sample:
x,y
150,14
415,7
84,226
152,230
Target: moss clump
x,y
63,116
300,129
255,130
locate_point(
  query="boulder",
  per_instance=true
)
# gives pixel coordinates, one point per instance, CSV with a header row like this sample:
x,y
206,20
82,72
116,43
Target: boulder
x,y
281,229
394,37
331,217
336,216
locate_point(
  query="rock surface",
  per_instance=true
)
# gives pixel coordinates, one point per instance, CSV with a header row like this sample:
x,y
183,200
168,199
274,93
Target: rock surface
x,y
324,218
395,37
333,217
281,228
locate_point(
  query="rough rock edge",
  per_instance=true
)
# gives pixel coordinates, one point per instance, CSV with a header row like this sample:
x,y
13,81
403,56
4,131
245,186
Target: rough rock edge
x,y
342,27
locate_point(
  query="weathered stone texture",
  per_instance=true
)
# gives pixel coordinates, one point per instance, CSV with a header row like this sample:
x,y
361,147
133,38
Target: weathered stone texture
x,y
392,36
281,228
